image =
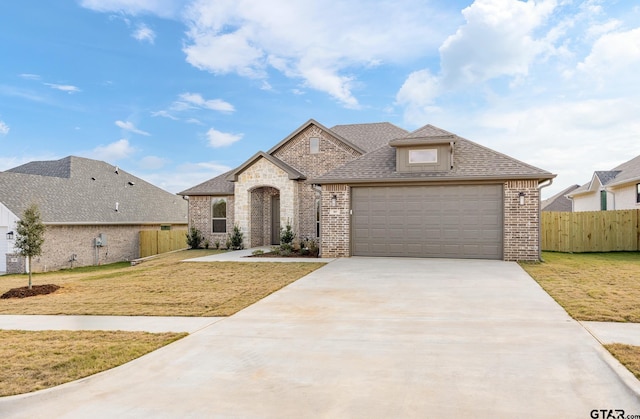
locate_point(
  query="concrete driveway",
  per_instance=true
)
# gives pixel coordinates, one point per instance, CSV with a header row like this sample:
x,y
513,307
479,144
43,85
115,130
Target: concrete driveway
x,y
370,338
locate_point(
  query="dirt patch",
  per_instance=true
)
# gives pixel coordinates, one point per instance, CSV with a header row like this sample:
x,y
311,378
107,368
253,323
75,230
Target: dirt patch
x,y
23,292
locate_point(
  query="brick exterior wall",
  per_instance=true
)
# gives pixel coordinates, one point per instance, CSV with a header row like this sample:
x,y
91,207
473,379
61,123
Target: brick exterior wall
x,y
200,218
62,242
16,264
296,153
521,222
335,222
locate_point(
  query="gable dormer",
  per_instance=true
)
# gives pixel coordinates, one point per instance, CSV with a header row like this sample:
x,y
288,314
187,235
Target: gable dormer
x,y
428,149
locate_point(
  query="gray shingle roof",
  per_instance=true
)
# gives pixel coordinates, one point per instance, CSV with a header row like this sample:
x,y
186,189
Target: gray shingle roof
x,y
76,190
369,137
219,185
559,202
628,171
471,161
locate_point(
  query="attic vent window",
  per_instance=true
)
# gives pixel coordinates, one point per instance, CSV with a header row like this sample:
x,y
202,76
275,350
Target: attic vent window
x,y
425,155
314,145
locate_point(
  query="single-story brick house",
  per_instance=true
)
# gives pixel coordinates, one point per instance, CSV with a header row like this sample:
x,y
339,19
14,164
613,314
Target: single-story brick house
x,y
93,212
378,190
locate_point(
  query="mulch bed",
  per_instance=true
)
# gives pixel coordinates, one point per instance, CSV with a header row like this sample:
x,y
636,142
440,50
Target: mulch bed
x,y
275,255
23,292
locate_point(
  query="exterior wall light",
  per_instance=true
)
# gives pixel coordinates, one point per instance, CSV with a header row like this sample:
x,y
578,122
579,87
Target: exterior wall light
x,y
10,235
521,198
334,200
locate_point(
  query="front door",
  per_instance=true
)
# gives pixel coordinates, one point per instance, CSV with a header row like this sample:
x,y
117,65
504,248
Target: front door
x,y
275,220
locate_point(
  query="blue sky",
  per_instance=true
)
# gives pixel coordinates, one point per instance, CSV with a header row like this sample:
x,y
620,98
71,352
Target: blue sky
x,y
177,92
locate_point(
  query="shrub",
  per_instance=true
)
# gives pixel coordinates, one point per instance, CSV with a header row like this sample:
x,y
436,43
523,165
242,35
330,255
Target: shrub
x,y
216,244
194,238
257,252
287,235
236,238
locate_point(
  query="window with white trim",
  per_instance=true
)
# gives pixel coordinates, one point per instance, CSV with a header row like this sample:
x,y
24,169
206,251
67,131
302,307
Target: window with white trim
x,y
424,155
637,193
219,215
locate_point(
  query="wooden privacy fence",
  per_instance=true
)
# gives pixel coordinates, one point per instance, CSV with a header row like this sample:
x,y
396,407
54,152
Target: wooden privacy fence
x,y
153,242
597,231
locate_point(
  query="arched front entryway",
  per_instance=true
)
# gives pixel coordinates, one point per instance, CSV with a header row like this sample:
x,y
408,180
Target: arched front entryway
x,y
265,216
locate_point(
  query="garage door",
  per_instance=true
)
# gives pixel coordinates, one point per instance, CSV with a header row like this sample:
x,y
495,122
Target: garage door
x,y
455,221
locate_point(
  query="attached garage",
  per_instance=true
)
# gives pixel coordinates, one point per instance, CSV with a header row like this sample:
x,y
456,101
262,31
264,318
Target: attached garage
x,y
444,221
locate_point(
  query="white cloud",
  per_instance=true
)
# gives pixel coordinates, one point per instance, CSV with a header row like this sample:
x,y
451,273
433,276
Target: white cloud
x,y
195,99
129,126
63,87
417,95
152,163
144,33
303,41
164,114
4,128
497,40
162,8
118,150
615,58
221,139
185,175
28,76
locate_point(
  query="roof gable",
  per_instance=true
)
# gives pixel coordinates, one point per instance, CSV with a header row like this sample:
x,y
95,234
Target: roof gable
x,y
322,127
87,194
291,172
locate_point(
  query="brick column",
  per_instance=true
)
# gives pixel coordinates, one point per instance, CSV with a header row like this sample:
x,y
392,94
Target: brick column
x,y
335,221
521,222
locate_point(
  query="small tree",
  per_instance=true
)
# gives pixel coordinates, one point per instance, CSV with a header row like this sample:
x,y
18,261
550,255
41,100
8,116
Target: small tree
x,y
30,235
236,239
194,238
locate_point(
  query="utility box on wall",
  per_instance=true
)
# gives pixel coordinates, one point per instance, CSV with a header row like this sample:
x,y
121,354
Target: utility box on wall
x,y
101,240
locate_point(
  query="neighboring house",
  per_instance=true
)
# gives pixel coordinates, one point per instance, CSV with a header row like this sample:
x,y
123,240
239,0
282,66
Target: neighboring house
x,y
559,202
378,190
93,212
615,189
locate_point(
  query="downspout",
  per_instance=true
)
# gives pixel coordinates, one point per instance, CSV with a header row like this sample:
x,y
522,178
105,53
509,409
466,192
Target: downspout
x,y
540,187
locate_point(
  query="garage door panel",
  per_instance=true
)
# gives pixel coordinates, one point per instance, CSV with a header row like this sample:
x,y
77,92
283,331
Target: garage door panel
x,y
461,221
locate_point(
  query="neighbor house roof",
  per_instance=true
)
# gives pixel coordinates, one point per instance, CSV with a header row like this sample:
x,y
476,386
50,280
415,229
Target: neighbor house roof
x,y
471,161
559,202
627,172
76,190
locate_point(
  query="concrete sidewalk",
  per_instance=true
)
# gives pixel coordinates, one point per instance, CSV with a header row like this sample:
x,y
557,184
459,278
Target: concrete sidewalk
x,y
126,323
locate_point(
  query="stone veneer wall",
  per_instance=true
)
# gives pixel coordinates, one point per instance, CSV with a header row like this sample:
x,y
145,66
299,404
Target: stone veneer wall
x,y
260,174
521,222
335,222
61,242
200,217
295,152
